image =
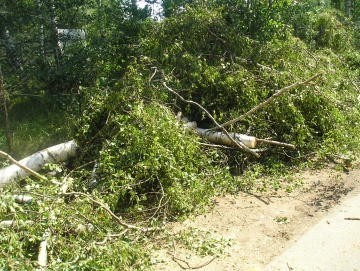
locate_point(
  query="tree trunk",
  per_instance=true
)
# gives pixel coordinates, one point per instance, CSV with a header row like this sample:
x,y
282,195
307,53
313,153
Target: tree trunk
x,y
6,117
41,30
347,8
11,50
222,139
54,32
36,162
100,19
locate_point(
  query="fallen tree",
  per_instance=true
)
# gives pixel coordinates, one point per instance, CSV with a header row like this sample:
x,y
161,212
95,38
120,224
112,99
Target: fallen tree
x,y
62,152
34,163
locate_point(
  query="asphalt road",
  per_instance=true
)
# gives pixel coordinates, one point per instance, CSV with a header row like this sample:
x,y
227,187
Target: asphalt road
x,y
331,245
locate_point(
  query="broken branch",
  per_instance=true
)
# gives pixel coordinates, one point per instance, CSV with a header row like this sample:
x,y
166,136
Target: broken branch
x,y
277,94
277,143
176,259
229,148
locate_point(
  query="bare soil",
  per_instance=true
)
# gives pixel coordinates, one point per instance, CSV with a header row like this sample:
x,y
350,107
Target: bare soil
x,y
259,226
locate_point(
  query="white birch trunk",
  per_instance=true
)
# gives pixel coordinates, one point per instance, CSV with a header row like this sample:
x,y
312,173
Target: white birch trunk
x,y
11,50
42,256
41,30
54,31
23,199
222,139
36,162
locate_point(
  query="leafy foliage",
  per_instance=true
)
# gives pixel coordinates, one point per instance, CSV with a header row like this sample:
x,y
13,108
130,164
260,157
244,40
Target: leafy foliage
x,y
144,151
69,226
138,164
223,75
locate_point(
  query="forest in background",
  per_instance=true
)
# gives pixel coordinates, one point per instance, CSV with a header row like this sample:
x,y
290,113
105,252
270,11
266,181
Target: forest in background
x,y
111,88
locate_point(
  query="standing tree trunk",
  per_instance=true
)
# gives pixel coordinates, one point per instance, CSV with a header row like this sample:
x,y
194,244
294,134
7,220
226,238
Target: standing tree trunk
x,y
41,30
100,19
347,8
11,50
54,32
6,117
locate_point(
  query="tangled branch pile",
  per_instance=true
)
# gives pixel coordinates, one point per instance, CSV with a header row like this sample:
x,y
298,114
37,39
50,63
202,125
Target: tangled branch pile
x,y
139,167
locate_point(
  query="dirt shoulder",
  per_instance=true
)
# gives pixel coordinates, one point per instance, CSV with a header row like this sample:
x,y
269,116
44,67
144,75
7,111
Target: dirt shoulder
x,y
258,227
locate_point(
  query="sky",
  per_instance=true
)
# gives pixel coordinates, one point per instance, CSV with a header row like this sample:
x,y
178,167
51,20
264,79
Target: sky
x,y
156,8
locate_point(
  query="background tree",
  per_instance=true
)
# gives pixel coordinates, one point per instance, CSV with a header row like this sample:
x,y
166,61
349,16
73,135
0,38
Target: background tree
x,y
5,113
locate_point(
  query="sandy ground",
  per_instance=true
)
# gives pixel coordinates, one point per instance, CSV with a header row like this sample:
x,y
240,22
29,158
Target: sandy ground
x,y
333,244
258,227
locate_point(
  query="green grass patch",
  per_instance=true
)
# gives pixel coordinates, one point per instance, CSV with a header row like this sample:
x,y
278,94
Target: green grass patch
x,y
35,124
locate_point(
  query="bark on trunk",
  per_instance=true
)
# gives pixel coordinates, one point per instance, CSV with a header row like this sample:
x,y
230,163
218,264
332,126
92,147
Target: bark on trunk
x,y
222,139
54,32
41,29
11,50
347,8
36,162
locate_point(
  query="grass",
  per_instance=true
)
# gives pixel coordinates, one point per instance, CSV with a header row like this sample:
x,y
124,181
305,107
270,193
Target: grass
x,y
35,124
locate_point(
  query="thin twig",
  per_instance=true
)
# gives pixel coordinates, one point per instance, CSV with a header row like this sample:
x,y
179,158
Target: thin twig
x,y
6,115
152,76
22,166
160,201
102,205
229,148
75,260
311,56
95,136
355,86
84,217
277,94
79,167
67,181
266,67
277,143
103,242
219,146
189,266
